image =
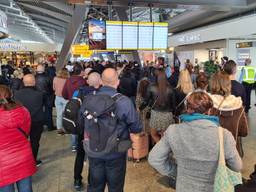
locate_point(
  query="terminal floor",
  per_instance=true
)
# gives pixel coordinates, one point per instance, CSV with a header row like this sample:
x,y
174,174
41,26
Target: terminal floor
x,y
56,172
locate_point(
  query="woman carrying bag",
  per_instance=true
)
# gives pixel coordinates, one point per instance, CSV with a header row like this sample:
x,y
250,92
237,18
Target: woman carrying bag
x,y
228,108
195,144
161,101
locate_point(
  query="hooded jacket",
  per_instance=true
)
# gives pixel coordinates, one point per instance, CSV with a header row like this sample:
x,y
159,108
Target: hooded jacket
x,y
230,110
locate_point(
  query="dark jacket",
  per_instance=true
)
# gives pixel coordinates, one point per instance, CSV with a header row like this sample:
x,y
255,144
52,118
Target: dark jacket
x,y
128,86
152,96
16,84
173,80
71,85
238,90
44,84
32,100
128,116
179,98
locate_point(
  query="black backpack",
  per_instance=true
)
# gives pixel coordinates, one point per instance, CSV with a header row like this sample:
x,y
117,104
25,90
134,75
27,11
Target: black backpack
x,y
71,113
101,134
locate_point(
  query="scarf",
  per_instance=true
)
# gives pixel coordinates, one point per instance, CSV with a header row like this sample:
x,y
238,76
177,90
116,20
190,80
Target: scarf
x,y
199,116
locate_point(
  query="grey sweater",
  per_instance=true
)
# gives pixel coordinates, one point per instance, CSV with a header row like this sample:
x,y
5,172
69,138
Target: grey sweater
x,y
195,146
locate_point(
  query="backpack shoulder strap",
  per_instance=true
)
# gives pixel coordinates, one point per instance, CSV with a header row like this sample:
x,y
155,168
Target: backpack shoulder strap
x,y
117,96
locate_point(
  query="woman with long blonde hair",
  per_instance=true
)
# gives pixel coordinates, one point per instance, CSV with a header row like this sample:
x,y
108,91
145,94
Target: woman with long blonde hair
x,y
183,88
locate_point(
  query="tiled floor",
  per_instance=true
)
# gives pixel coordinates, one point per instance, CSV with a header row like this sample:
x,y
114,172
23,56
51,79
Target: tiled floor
x,y
56,172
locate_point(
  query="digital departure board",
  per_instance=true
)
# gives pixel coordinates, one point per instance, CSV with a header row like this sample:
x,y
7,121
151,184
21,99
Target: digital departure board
x,y
114,34
130,35
145,36
160,35
124,35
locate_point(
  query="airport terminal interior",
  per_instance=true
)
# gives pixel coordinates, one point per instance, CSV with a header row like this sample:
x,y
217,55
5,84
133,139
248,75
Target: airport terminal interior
x,y
128,95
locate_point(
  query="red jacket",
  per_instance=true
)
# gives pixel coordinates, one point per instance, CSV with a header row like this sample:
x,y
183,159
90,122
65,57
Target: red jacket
x,y
16,159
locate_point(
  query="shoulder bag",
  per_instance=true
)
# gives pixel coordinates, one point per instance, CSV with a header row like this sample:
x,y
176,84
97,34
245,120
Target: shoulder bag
x,y
225,179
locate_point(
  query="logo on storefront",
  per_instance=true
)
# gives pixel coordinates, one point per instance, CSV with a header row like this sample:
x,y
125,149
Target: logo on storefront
x,y
13,47
189,38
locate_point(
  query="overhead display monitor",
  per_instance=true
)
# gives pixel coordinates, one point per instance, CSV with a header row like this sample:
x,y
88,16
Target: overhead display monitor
x,y
125,35
130,35
145,36
97,34
160,36
114,34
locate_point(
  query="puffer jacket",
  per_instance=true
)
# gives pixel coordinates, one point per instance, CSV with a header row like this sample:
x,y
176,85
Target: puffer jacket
x,y
16,159
232,116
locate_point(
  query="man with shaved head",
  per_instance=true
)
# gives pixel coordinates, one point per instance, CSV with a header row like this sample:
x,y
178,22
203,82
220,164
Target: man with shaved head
x,y
33,101
94,83
110,169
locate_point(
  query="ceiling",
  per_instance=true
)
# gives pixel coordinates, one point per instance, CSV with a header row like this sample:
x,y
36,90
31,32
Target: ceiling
x,y
48,20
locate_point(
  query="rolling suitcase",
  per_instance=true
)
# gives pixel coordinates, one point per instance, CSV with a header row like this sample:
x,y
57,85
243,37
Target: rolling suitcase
x,y
140,145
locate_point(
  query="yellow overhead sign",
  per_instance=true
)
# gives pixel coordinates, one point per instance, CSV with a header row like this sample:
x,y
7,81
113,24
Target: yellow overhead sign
x,y
79,49
87,54
82,50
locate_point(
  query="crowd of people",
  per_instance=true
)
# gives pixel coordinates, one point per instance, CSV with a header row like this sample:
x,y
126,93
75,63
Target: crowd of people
x,y
180,111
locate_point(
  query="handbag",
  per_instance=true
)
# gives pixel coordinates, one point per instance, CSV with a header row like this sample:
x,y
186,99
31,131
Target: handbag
x,y
225,179
148,112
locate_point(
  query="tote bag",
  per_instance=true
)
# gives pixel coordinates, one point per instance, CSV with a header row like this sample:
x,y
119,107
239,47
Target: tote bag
x,y
225,179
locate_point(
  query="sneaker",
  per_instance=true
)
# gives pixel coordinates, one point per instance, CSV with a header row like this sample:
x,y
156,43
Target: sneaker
x,y
60,132
78,184
73,148
38,163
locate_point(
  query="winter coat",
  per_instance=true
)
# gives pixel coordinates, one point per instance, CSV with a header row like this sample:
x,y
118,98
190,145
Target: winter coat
x,y
16,159
232,116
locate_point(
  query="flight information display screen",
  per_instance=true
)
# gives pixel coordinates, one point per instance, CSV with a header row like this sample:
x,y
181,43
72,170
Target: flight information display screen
x,y
146,36
124,35
160,35
130,35
114,34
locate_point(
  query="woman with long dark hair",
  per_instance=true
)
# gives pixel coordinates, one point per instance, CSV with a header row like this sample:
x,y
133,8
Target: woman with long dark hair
x,y
17,163
140,98
160,98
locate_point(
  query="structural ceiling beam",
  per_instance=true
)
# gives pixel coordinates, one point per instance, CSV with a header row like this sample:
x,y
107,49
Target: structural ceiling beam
x,y
80,14
61,6
59,16
166,3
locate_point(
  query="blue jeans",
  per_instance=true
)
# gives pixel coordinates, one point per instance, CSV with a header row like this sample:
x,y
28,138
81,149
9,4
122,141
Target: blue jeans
x,y
60,104
24,185
106,172
74,141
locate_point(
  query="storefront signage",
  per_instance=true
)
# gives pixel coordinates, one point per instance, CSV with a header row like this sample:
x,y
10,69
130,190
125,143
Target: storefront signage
x,y
244,45
189,38
13,47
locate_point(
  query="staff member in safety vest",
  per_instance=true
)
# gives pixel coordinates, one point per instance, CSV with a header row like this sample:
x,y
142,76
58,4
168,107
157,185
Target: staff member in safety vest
x,y
248,75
